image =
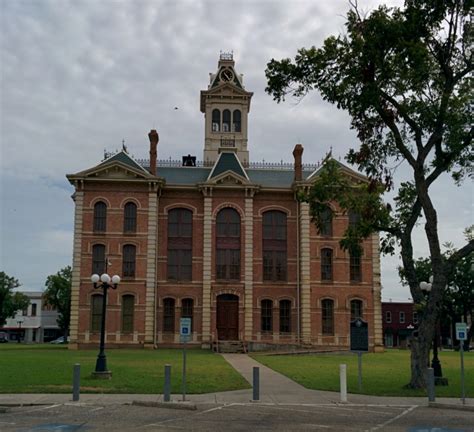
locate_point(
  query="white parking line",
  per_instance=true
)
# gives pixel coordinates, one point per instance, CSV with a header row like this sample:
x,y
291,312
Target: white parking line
x,y
42,408
198,413
345,407
380,426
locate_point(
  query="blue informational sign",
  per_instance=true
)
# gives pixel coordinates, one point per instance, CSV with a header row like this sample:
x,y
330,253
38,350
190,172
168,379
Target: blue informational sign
x,y
461,331
185,329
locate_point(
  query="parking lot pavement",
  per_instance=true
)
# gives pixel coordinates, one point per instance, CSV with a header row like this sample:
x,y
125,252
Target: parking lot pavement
x,y
235,417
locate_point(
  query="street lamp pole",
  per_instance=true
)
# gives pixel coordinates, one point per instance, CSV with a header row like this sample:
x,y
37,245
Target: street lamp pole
x,y
435,363
101,363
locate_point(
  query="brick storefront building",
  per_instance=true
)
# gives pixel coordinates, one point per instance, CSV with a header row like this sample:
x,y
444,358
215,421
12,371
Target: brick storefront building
x,y
399,321
223,241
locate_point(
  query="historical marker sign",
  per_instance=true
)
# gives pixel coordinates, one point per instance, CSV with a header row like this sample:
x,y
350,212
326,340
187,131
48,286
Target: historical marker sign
x,y
359,335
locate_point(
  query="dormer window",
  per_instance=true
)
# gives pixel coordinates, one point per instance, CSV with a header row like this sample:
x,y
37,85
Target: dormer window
x,y
226,121
216,120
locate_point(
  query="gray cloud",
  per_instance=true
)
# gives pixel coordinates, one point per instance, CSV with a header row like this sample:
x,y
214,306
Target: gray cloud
x,y
80,76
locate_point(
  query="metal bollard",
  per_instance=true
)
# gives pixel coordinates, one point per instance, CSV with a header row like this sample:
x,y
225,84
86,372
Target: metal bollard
x,y
343,382
76,382
167,385
256,383
430,381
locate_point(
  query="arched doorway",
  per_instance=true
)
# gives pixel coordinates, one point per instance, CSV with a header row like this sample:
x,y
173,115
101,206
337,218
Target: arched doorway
x,y
227,322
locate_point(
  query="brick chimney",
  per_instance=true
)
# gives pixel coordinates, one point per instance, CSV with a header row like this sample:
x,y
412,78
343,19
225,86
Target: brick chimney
x,y
154,138
297,153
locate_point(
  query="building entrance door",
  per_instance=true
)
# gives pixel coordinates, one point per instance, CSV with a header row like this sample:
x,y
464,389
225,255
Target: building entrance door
x,y
227,317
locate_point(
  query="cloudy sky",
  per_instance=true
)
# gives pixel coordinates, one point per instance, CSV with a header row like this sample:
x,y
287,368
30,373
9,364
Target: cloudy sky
x,y
78,76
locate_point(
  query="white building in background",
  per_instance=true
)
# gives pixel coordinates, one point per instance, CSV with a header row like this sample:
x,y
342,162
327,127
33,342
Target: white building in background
x,y
37,323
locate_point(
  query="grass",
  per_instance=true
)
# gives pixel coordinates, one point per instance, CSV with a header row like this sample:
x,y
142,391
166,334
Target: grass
x,y
383,374
48,369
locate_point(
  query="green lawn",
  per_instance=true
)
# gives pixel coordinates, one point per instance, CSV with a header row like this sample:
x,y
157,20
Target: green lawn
x,y
383,374
48,369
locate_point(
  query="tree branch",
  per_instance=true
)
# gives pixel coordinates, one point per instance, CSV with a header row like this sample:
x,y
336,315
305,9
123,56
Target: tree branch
x,y
458,255
416,129
389,121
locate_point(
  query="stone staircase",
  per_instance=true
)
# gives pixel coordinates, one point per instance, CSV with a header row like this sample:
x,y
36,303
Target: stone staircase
x,y
233,346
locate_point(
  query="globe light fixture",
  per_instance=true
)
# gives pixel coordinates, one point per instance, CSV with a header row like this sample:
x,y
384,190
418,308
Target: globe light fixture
x,y
105,278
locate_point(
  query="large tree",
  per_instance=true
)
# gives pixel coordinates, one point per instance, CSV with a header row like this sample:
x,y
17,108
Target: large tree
x,y
58,295
402,74
458,296
10,301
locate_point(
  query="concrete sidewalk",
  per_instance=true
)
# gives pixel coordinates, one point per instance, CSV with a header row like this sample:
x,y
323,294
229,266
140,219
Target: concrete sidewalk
x,y
274,389
279,389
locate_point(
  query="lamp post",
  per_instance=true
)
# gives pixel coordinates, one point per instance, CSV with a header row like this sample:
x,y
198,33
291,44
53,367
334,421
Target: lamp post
x,y
101,370
435,363
19,322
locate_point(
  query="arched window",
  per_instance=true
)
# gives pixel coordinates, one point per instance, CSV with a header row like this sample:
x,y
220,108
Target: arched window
x,y
267,315
228,244
237,121
100,217
96,312
180,237
356,309
326,222
328,317
216,120
285,316
354,218
98,259
187,306
355,266
128,306
226,121
274,246
168,315
128,263
130,217
326,264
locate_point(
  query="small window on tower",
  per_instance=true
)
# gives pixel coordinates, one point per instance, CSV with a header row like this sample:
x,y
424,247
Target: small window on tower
x,y
226,121
216,120
237,121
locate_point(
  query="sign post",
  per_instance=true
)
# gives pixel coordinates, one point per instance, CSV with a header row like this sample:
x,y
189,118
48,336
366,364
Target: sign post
x,y
461,336
359,343
185,333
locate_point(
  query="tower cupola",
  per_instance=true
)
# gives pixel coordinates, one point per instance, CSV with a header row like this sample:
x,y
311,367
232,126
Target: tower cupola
x,y
226,105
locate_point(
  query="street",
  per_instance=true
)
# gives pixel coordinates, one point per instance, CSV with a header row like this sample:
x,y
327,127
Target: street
x,y
235,417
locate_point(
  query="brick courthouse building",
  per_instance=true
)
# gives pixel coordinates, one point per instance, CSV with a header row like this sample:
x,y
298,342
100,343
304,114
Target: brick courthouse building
x,y
223,241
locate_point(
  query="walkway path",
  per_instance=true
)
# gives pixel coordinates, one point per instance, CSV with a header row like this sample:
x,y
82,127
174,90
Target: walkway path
x,y
273,385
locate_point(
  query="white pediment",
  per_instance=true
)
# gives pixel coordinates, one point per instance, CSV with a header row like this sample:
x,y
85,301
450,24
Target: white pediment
x,y
229,178
113,171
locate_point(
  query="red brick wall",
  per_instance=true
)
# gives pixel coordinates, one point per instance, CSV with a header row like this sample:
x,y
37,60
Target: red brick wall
x,y
341,290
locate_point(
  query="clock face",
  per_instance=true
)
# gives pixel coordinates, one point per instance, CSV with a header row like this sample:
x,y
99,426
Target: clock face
x,y
227,75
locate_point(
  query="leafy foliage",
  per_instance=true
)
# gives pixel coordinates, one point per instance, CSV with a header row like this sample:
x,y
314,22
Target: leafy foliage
x,y
10,301
58,295
402,74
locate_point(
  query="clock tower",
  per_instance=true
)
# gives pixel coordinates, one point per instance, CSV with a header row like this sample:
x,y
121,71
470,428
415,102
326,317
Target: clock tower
x,y
225,105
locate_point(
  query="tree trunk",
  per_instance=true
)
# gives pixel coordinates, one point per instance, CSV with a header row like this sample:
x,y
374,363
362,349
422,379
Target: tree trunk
x,y
420,352
419,362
